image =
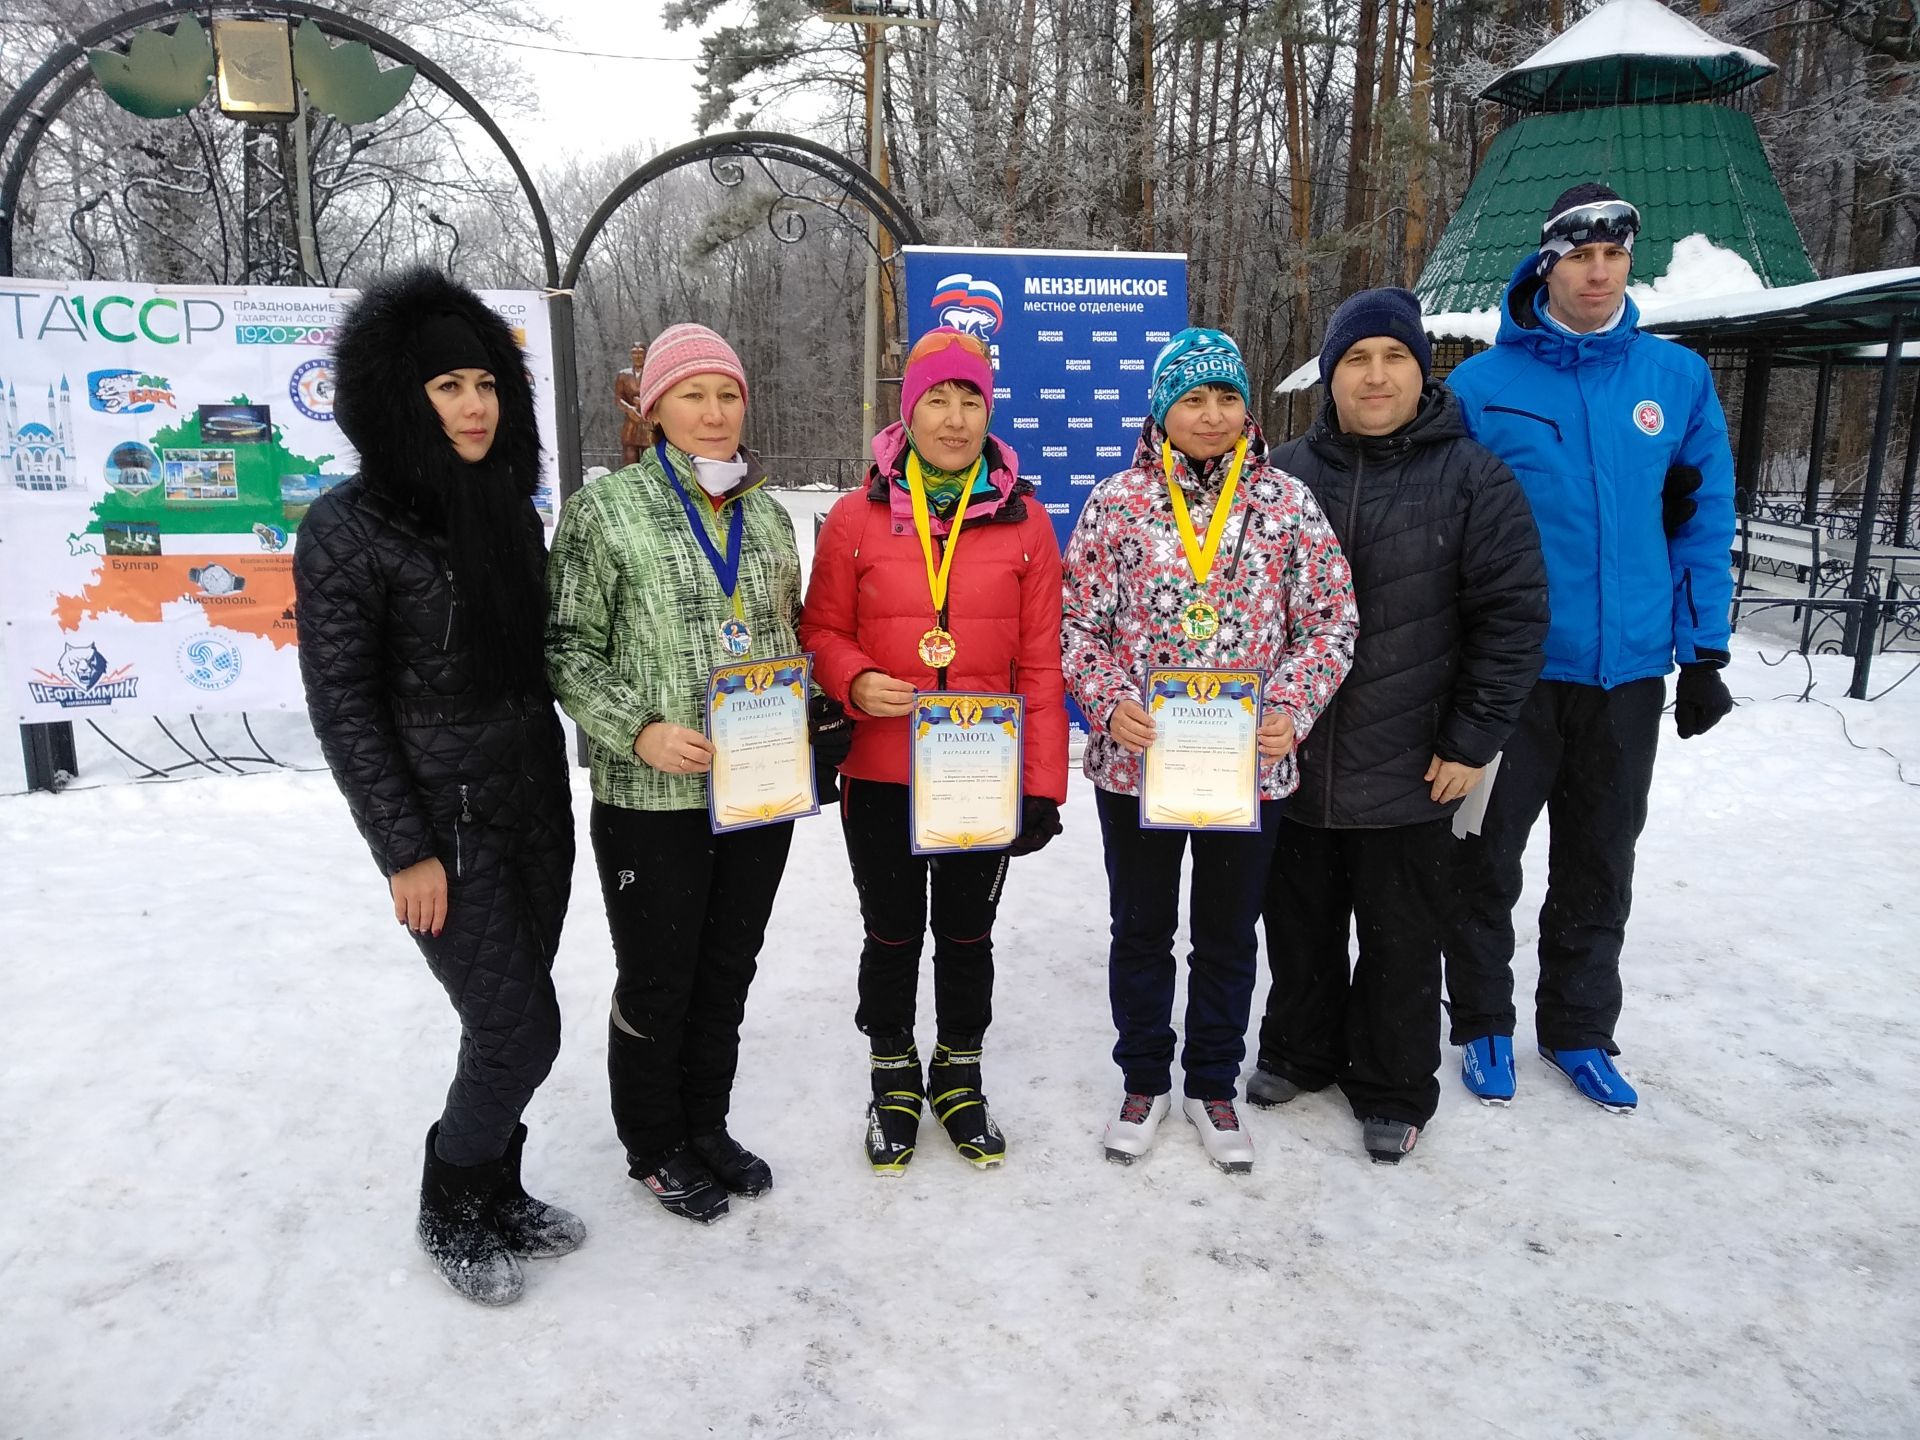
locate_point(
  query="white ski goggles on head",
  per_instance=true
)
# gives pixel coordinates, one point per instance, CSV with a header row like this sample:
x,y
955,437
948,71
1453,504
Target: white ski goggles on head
x,y
1602,222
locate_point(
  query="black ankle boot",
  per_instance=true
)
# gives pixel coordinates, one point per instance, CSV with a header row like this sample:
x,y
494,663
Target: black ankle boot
x,y
531,1228
737,1168
456,1229
893,1115
953,1091
682,1184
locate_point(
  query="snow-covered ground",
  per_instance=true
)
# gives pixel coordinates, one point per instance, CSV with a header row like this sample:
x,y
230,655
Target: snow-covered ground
x,y
220,1058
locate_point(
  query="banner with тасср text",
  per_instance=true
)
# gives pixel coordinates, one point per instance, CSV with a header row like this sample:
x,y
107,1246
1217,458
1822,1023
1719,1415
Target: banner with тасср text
x,y
158,447
1073,335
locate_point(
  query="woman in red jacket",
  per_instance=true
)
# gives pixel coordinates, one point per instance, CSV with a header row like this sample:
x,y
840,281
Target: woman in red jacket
x,y
981,564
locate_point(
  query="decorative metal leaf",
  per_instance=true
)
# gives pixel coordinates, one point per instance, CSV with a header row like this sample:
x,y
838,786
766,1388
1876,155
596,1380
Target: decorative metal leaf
x,y
344,80
161,75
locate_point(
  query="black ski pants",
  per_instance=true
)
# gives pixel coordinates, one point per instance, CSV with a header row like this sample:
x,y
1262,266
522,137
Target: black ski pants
x,y
688,911
494,958
1585,755
1223,908
894,884
1371,1025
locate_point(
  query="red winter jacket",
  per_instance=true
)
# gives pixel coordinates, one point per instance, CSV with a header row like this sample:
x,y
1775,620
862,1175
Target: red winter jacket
x,y
868,605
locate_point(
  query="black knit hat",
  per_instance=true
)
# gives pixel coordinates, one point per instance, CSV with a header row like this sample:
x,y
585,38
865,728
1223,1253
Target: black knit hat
x,y
1389,311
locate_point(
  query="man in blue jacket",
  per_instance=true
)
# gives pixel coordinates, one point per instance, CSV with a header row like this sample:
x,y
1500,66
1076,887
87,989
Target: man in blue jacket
x,y
1618,440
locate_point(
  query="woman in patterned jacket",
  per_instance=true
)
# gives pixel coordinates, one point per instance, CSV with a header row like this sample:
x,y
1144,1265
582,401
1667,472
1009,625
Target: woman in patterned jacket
x,y
1269,591
660,573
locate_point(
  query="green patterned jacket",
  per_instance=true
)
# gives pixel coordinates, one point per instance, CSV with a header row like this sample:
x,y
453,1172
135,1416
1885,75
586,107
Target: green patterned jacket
x,y
633,624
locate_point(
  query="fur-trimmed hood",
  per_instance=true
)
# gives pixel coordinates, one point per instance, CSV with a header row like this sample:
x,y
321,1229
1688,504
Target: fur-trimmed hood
x,y
382,406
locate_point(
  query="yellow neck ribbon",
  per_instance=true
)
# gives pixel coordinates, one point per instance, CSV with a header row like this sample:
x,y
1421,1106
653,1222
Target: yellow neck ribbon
x,y
1200,557
923,527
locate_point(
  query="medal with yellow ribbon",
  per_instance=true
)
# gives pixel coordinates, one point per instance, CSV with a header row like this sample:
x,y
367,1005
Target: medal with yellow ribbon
x,y
936,646
1200,620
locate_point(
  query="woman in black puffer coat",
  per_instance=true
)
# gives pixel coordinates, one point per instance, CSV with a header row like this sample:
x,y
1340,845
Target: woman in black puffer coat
x,y
1453,614
421,586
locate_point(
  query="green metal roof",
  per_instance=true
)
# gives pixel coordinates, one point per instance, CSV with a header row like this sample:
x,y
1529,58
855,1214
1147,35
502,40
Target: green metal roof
x,y
1691,169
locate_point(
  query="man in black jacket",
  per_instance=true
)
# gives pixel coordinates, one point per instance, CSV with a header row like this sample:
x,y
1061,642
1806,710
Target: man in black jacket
x,y
1453,611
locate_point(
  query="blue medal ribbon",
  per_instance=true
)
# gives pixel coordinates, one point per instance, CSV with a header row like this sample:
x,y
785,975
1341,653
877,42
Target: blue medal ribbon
x,y
726,565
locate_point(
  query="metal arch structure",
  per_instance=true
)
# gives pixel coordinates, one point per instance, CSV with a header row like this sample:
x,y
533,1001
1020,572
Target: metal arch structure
x,y
65,72
723,155
726,157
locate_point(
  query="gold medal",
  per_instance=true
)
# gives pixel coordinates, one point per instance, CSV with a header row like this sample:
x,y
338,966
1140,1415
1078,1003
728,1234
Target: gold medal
x,y
936,646
1200,621
936,649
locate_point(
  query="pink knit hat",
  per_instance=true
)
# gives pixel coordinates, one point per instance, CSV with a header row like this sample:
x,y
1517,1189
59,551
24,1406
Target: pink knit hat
x,y
682,350
942,355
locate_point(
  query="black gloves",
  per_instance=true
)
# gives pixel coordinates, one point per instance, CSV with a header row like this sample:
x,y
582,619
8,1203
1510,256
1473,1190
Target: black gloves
x,y
1039,823
1700,699
1677,504
832,735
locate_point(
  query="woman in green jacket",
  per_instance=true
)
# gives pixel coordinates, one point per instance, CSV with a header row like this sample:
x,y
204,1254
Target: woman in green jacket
x,y
661,572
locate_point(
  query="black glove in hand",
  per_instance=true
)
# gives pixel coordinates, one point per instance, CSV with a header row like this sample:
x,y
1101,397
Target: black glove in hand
x,y
1700,700
1677,505
832,734
1039,823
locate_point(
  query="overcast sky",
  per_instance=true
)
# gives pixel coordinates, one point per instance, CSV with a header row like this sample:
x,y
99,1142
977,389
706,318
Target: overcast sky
x,y
591,104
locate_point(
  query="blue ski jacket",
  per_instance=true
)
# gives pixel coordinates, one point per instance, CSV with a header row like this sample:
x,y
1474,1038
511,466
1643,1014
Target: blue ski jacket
x,y
1589,425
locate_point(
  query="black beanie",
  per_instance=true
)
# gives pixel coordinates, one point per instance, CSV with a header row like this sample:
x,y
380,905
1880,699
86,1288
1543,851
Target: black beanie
x,y
446,341
1389,311
1591,192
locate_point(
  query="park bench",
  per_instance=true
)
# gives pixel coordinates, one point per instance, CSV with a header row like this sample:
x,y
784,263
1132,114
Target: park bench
x,y
1777,558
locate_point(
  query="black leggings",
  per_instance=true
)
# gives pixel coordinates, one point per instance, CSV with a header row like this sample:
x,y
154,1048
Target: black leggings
x,y
688,913
893,883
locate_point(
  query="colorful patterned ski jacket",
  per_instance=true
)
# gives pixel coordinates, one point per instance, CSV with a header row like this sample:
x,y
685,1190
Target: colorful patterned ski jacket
x,y
633,628
1280,584
868,605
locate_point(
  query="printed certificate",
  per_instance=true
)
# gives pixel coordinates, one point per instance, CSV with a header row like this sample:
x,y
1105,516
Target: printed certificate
x,y
762,759
963,788
1202,771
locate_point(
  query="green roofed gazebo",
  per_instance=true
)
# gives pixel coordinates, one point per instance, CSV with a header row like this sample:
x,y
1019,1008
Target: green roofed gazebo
x,y
1623,97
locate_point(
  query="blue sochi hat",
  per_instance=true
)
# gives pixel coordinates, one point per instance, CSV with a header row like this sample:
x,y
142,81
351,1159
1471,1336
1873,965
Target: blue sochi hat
x,y
1194,357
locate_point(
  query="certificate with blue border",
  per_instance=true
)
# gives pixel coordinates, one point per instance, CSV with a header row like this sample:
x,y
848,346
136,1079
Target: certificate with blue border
x,y
963,787
756,717
1202,771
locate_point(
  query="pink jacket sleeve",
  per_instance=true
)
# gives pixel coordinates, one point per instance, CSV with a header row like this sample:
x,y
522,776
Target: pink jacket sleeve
x,y
1045,771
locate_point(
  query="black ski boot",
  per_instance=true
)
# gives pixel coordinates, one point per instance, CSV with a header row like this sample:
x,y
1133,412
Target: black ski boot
x,y
738,1169
456,1229
893,1115
682,1184
953,1091
532,1229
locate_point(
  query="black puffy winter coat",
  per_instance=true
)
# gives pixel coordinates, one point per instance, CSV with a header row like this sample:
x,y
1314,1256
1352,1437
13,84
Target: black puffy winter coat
x,y
1453,612
432,761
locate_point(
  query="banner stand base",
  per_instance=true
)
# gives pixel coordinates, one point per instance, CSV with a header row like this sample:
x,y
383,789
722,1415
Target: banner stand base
x,y
50,756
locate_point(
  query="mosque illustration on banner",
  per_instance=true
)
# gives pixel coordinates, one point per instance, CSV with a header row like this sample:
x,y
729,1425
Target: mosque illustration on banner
x,y
39,455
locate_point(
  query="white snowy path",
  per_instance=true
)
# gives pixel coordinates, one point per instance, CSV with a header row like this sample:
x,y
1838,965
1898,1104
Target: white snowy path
x,y
220,1057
